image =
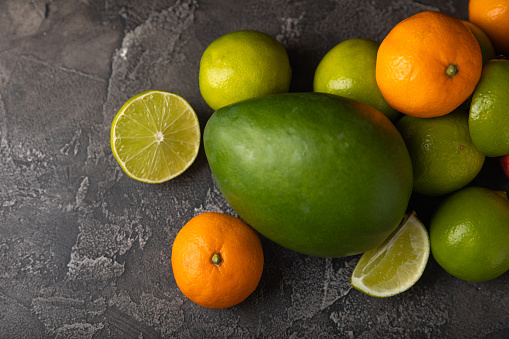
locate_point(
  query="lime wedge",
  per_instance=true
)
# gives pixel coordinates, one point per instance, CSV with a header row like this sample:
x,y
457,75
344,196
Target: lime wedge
x,y
395,265
155,136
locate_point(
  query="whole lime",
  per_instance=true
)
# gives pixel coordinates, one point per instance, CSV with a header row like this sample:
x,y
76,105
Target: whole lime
x,y
242,65
444,158
348,69
316,173
488,119
469,234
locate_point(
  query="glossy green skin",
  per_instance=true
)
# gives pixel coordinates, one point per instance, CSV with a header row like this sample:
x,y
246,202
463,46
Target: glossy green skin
x,y
487,49
348,69
444,158
469,234
316,173
489,111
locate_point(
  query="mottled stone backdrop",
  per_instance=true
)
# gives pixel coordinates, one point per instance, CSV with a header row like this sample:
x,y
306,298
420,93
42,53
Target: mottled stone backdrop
x,y
85,250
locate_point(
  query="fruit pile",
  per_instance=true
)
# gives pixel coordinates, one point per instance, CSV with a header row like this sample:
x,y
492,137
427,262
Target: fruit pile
x,y
330,173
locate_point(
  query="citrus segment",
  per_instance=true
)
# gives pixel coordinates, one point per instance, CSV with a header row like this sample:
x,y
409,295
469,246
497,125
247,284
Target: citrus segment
x,y
397,264
155,136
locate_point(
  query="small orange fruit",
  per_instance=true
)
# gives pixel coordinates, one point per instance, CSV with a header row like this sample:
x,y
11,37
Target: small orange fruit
x,y
492,16
428,64
217,260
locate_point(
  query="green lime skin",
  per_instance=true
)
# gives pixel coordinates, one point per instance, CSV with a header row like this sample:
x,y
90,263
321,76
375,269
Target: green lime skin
x,y
469,234
316,173
348,69
487,49
489,118
444,159
242,65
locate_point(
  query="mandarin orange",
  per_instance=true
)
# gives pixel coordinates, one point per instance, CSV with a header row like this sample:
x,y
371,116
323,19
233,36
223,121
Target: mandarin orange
x,y
428,64
492,16
217,260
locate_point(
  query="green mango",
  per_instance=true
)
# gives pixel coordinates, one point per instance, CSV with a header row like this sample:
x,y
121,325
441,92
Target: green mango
x,y
316,173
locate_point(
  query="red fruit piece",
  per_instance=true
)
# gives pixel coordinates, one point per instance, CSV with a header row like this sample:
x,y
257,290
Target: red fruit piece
x,y
504,163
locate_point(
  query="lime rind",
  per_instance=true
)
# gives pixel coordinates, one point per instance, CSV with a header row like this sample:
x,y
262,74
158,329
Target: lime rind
x,y
397,264
155,136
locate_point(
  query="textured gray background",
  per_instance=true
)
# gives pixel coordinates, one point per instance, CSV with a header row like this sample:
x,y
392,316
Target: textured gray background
x,y
85,250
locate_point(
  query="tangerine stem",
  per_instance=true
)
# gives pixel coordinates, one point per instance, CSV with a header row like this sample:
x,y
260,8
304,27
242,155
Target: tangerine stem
x,y
216,259
451,70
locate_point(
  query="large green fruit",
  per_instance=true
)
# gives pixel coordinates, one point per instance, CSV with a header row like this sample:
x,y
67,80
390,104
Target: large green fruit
x,y
316,173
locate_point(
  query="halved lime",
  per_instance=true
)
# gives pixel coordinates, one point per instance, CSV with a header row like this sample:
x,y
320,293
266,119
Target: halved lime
x,y
397,264
155,136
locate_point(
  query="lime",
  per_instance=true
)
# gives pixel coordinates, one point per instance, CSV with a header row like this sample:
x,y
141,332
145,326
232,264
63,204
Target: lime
x,y
444,158
155,136
487,49
397,264
348,69
469,234
488,120
242,65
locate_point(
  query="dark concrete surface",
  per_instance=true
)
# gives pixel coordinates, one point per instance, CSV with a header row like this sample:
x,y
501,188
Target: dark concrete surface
x,y
85,250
